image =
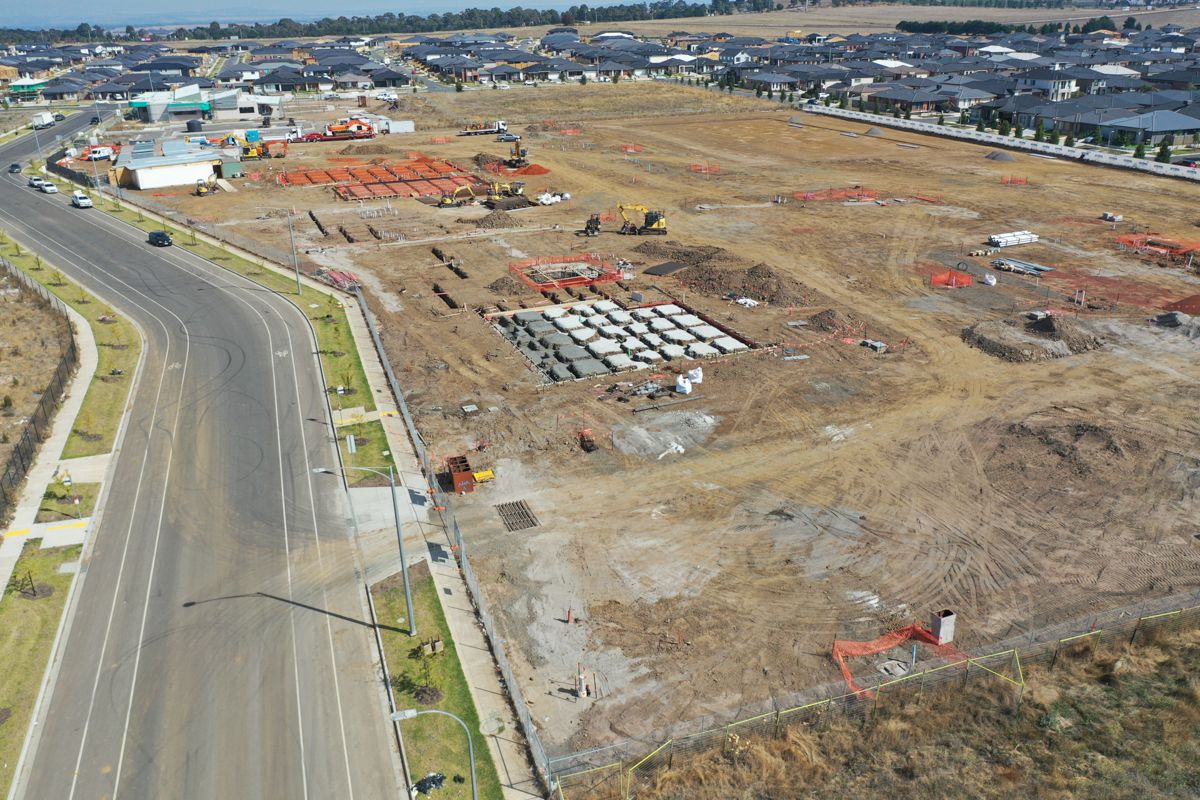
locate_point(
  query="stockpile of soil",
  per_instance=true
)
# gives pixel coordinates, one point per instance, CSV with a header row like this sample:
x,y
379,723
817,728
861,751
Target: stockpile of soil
x,y
509,287
1000,155
496,219
714,270
692,256
1063,329
538,127
483,159
365,150
829,320
1008,339
532,169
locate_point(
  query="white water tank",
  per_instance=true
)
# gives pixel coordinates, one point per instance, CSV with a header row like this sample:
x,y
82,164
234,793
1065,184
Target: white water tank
x,y
942,626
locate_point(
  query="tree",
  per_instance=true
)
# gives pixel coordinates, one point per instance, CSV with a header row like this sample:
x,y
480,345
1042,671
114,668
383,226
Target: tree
x,y
941,119
84,31
874,106
770,93
1004,128
963,118
1039,133
896,110
214,30
842,102
1130,24
1070,140
567,18
758,90
1097,136
458,86
1053,137
1018,131
908,113
616,78
1140,150
979,125
862,106
1164,153
583,80
130,32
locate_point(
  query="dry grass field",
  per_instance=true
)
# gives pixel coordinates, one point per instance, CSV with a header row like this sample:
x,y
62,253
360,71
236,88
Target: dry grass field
x,y
836,496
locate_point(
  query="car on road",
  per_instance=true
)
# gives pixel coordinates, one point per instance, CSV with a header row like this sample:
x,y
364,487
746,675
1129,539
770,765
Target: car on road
x,y
531,83
48,187
14,169
35,181
95,120
331,96
1191,162
59,117
503,86
80,200
508,137
160,239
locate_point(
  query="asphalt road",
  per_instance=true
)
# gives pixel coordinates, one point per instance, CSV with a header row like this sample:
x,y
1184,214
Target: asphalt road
x,y
217,647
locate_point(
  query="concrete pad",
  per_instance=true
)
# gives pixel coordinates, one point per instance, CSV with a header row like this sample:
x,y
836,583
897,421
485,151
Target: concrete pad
x,y
605,306
583,310
643,314
678,337
526,317
64,534
554,313
728,344
612,332
603,347
686,321
539,328
620,362
668,310
648,357
555,341
705,333
572,352
588,368
560,372
568,324
633,343
672,352
637,329
619,318
701,350
652,340
89,469
583,335
662,325
69,568
597,322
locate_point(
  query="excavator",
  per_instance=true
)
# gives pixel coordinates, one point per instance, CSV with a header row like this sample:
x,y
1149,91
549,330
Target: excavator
x,y
654,222
519,157
592,227
280,148
452,201
204,187
250,150
497,191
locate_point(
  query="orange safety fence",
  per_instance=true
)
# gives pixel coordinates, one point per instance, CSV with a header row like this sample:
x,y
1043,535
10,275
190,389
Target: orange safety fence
x,y
608,216
706,167
843,650
570,131
632,148
439,140
1153,243
857,193
950,279
1012,180
602,271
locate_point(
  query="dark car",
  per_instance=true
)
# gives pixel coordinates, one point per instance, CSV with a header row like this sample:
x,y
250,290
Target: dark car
x,y
160,239
14,168
1188,163
59,117
95,120
508,137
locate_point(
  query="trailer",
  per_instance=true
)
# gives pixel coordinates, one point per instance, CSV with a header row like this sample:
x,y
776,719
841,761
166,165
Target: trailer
x,y
485,128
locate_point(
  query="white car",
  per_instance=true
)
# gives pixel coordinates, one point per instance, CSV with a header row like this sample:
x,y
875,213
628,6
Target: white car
x,y
49,188
81,200
531,83
503,86
35,181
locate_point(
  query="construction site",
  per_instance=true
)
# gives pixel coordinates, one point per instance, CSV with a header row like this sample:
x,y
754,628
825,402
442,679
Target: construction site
x,y
822,385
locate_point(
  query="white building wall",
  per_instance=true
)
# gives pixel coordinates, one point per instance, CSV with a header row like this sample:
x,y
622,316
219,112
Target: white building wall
x,y
178,175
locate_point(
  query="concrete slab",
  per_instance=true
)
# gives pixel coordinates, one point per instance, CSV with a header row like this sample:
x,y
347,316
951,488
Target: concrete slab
x,y
619,318
612,331
554,313
572,352
568,324
687,321
678,337
643,314
556,340
662,325
620,363
633,344
701,350
667,310
728,344
648,357
603,347
525,317
637,329
605,306
589,367
583,310
705,333
652,340
539,329
672,352
583,335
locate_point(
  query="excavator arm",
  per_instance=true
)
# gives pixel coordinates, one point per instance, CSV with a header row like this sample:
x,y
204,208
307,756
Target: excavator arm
x,y
654,222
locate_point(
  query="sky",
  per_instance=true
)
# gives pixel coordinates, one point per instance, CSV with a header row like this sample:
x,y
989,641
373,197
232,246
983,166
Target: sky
x,y
151,13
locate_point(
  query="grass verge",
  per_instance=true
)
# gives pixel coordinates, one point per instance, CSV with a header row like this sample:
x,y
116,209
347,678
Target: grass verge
x,y
53,509
118,347
434,743
370,454
27,629
339,356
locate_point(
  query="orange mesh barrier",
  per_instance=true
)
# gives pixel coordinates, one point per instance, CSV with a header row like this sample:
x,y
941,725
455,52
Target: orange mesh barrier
x,y
440,140
951,280
1009,180
706,167
1158,244
843,650
632,148
570,131
857,193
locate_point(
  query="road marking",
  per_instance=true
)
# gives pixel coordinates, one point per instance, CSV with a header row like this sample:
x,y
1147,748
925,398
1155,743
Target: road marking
x,y
16,533
176,365
72,525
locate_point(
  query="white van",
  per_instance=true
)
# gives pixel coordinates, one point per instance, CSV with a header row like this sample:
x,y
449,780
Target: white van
x,y
99,154
80,199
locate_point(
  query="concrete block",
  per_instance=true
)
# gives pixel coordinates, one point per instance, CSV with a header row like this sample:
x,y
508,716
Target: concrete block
x,y
589,367
728,344
582,335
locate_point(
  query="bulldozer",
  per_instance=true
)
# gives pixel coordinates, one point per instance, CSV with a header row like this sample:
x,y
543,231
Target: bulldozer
x,y
653,222
592,226
519,157
452,201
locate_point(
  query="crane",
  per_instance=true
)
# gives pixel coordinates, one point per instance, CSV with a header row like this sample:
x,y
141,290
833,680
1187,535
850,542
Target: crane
x,y
654,222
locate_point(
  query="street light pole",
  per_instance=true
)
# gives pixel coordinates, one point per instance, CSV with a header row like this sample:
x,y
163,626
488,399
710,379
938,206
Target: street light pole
x,y
292,239
412,620
412,712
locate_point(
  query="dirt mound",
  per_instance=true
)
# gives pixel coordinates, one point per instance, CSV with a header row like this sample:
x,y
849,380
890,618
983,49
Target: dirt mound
x,y
1000,155
829,320
1010,340
1063,329
496,219
714,270
537,127
365,150
1178,322
509,287
692,256
532,169
874,132
483,159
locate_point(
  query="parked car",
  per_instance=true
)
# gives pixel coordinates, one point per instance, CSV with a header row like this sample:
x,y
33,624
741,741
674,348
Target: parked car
x,y
59,117
14,169
95,120
604,79
48,187
331,96
1191,162
160,239
503,86
80,200
36,181
531,83
508,137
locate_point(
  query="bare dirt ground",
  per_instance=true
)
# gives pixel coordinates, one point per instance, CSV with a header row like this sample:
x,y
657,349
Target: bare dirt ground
x,y
832,497
32,338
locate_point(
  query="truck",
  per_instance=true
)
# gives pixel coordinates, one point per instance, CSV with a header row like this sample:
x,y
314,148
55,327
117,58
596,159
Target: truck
x,y
350,128
43,119
485,128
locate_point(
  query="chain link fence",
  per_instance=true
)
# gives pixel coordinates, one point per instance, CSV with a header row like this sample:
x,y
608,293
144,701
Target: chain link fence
x,y
38,427
618,771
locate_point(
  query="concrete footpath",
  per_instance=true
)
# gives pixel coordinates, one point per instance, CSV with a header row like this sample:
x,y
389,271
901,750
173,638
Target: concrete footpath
x,y
49,464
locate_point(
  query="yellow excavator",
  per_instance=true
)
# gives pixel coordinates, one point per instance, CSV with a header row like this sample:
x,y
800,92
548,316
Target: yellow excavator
x,y
591,227
653,223
204,187
250,150
519,158
497,190
452,201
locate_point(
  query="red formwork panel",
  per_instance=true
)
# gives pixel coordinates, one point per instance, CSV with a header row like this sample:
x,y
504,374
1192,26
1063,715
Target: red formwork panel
x,y
338,175
444,185
296,179
423,187
400,188
319,177
459,180
442,166
380,173
362,175
380,190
